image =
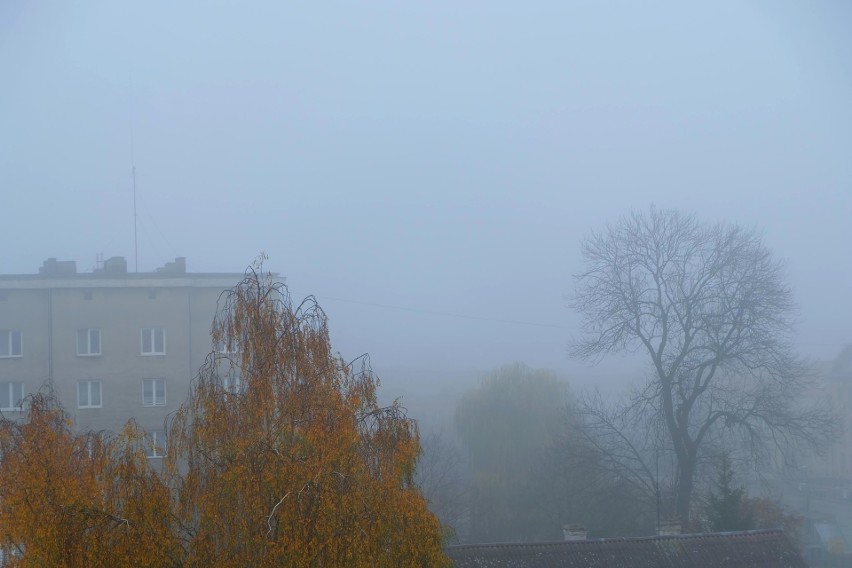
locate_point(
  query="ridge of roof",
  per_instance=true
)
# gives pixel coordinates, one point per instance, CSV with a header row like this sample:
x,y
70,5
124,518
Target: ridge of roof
x,y
686,536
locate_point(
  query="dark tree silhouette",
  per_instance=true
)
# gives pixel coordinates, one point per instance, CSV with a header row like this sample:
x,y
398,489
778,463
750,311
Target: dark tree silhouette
x,y
726,510
709,307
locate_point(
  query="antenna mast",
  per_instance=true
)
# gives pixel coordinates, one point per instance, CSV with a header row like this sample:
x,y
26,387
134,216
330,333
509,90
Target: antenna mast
x,y
135,237
133,174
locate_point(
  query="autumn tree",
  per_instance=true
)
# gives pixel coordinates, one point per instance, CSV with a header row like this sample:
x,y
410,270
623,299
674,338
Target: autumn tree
x,y
282,456
72,499
441,478
709,308
767,512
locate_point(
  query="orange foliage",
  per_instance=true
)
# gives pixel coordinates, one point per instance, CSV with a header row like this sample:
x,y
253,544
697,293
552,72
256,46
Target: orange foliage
x,y
79,499
281,456
297,465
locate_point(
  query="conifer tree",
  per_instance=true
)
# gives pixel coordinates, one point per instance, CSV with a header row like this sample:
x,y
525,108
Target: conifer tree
x,y
726,510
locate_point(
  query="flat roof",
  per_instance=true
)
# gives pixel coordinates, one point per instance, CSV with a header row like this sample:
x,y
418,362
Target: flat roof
x,y
128,280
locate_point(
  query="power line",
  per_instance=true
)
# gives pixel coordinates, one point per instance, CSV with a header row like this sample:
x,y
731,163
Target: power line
x,y
440,313
491,319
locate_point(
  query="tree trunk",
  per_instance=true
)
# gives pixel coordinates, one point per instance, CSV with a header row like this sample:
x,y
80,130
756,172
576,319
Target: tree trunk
x,y
684,492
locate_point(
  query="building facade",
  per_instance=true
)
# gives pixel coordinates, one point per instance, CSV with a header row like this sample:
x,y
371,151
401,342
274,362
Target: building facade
x,y
837,382
113,345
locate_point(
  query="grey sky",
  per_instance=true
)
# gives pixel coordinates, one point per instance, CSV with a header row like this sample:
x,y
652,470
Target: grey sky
x,y
437,156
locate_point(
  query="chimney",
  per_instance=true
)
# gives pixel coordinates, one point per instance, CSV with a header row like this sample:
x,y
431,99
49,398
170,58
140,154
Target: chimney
x,y
574,532
668,527
115,265
176,267
53,267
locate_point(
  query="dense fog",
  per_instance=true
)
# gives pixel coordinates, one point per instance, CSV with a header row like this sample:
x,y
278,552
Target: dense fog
x,y
429,171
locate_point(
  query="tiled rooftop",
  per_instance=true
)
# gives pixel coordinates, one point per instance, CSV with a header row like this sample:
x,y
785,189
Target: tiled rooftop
x,y
752,549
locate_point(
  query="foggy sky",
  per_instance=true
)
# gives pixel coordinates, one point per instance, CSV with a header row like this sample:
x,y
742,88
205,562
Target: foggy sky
x,y
428,169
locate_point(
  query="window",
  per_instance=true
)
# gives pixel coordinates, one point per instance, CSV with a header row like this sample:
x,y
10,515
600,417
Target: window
x,y
154,392
11,343
153,341
232,382
88,342
89,394
155,444
223,347
11,396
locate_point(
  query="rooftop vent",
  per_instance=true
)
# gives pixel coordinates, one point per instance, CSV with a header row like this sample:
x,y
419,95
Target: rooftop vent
x,y
574,532
176,267
668,527
114,265
53,267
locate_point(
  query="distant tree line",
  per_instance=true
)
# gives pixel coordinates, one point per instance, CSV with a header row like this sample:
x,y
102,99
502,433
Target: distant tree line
x,y
708,307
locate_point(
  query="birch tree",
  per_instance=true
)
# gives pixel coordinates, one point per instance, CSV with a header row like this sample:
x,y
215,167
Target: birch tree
x,y
282,455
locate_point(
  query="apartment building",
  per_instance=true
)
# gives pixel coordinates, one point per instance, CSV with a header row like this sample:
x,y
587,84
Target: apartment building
x,y
112,344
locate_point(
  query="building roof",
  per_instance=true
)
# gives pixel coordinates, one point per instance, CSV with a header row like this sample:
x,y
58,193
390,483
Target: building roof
x,y
842,367
59,274
752,549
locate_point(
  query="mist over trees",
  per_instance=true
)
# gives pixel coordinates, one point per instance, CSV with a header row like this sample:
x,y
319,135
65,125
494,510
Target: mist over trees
x,y
454,181
504,425
282,453
708,306
519,466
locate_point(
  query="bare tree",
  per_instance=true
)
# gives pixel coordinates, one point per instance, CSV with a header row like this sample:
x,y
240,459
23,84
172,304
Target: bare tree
x,y
601,471
440,476
709,307
624,444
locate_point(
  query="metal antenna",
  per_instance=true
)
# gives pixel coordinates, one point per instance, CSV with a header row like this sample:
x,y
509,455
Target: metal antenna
x,y
133,173
135,234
